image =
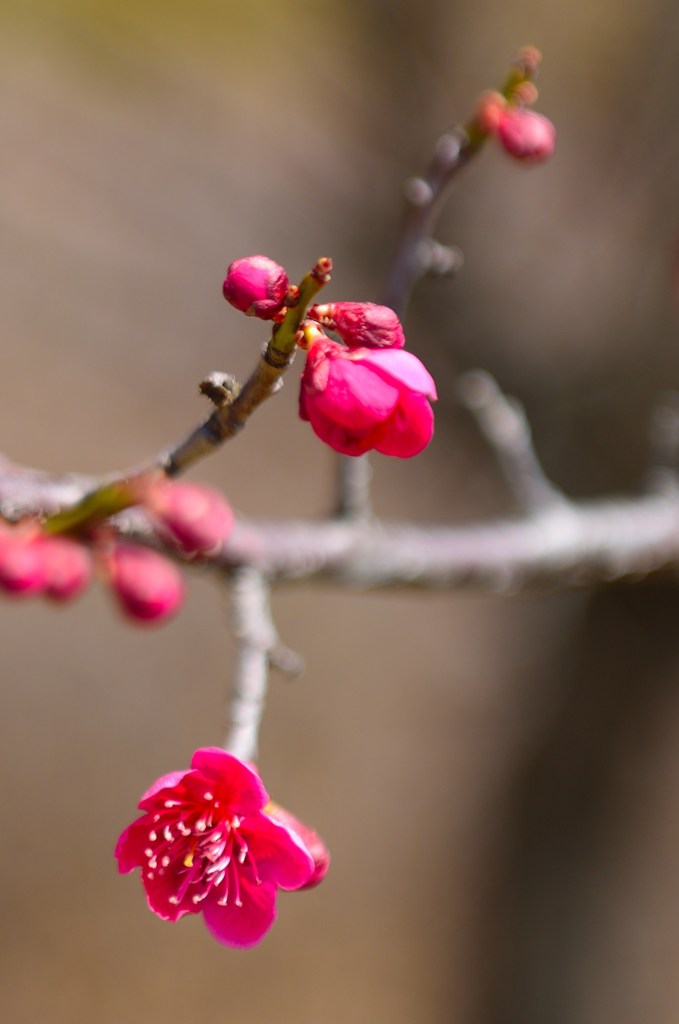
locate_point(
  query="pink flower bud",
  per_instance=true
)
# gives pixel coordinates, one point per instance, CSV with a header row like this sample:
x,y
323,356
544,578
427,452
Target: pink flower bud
x,y
148,587
198,517
68,567
22,566
526,135
311,840
256,286
367,398
361,324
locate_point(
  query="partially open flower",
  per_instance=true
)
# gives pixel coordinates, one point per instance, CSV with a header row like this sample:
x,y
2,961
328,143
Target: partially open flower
x,y
205,845
361,324
526,135
256,286
197,517
148,587
363,398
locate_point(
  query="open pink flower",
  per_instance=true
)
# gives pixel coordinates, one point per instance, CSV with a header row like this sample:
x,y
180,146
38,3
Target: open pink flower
x,y
362,398
204,845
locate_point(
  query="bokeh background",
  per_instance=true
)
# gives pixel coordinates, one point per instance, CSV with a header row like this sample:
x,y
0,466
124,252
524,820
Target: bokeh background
x,y
496,776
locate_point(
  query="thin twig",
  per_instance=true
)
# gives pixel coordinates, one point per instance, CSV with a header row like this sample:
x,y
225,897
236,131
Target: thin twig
x,y
503,422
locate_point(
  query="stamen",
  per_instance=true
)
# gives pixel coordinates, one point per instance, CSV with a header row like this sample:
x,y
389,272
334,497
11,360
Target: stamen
x,y
199,896
165,862
173,900
208,796
168,834
188,860
148,852
171,803
153,835
200,825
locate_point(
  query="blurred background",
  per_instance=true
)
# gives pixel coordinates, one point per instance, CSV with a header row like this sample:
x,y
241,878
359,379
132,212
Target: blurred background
x,y
496,777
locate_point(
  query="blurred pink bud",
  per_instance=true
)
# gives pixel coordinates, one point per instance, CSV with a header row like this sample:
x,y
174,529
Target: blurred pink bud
x,y
367,398
198,517
490,107
311,840
361,324
68,567
256,286
148,587
22,566
526,135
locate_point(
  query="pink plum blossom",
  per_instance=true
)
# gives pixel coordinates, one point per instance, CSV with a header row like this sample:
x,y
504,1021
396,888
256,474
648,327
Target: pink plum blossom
x,y
148,587
526,135
205,845
67,565
198,517
256,286
363,398
22,565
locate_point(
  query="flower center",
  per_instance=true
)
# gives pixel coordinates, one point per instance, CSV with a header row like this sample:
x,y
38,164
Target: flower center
x,y
202,850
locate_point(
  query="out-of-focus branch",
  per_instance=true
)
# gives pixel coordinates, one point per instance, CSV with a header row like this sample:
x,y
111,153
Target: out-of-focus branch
x,y
503,423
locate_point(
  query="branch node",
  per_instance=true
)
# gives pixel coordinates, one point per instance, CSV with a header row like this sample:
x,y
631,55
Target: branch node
x,y
503,423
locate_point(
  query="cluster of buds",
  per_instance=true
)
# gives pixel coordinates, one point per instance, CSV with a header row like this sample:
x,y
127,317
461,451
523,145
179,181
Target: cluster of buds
x,y
361,394
146,585
34,564
523,133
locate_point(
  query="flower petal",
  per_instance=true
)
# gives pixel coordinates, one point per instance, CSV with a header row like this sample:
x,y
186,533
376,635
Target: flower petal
x,y
238,785
279,853
242,926
354,396
131,845
399,366
171,781
409,429
342,439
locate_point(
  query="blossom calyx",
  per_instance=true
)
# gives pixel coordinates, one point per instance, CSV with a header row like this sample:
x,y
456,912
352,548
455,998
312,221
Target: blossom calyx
x,y
205,844
363,398
361,324
257,286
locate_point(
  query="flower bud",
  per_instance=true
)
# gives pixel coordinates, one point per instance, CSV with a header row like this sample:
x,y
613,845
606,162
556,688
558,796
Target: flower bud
x,y
361,324
147,586
526,135
68,567
197,517
22,566
256,286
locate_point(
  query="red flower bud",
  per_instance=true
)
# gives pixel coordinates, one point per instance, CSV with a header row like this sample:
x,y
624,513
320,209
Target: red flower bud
x,y
67,565
256,286
198,517
361,324
148,587
526,135
22,566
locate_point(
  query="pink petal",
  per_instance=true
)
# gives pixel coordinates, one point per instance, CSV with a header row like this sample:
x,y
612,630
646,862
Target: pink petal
x,y
172,780
354,396
343,440
239,786
242,926
164,884
399,366
409,429
131,845
279,853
